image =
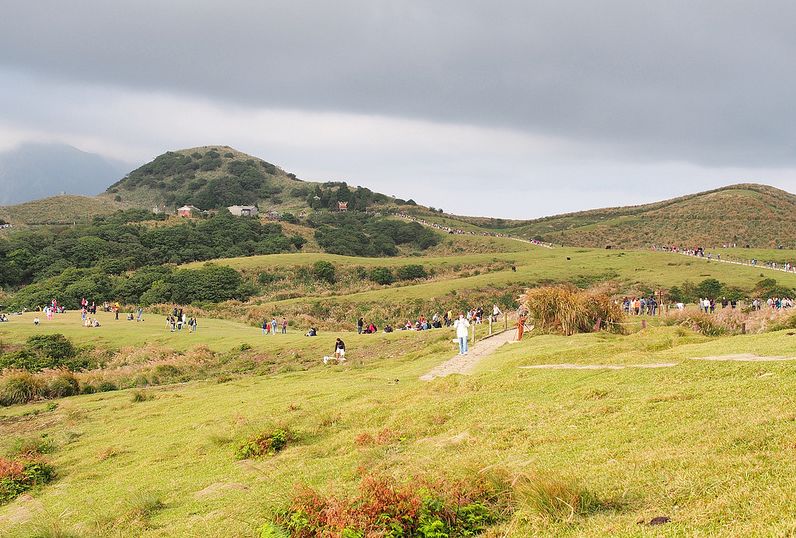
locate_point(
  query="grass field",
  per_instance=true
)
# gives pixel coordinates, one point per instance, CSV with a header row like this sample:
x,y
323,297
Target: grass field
x,y
708,444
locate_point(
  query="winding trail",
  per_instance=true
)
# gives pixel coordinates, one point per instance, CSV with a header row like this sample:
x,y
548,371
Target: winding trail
x,y
464,364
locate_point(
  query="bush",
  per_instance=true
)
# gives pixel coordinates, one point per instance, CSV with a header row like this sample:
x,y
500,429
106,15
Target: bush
x,y
18,476
20,387
141,396
325,271
411,272
568,310
381,275
386,507
62,385
56,346
44,351
266,443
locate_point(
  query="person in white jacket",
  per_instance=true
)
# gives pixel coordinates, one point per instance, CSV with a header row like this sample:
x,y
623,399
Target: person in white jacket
x,y
462,332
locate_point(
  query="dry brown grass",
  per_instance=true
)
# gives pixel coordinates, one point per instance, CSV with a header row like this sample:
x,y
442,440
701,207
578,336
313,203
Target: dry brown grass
x,y
567,310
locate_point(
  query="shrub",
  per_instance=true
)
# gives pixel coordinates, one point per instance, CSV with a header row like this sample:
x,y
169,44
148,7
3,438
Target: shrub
x,y
56,346
141,396
44,351
20,387
386,507
411,272
62,385
381,275
325,271
262,444
18,476
568,310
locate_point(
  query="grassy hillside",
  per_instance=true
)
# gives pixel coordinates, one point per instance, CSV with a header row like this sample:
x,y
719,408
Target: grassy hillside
x,y
163,464
745,214
212,177
58,210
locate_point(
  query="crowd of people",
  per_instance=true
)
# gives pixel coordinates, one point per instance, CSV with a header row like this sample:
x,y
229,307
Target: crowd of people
x,y
700,252
459,231
174,322
436,321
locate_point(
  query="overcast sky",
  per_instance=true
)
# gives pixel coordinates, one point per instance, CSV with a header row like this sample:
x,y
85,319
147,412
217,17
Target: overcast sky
x,y
508,108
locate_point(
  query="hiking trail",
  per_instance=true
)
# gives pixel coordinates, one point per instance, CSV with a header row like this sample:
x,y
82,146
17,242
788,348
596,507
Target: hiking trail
x,y
464,364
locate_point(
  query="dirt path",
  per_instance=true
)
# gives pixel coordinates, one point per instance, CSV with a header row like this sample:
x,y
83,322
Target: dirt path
x,y
570,366
464,364
743,357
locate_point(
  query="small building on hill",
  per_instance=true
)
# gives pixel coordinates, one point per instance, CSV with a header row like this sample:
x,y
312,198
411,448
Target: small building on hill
x,y
243,210
187,211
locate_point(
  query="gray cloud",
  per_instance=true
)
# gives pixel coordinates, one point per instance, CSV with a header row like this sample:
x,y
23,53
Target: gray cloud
x,y
705,82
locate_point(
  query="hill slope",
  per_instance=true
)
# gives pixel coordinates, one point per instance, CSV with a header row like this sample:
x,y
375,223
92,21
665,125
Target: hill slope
x,y
57,210
33,171
212,177
745,214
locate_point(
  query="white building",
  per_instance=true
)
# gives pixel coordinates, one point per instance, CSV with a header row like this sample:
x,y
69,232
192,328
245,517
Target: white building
x,y
243,210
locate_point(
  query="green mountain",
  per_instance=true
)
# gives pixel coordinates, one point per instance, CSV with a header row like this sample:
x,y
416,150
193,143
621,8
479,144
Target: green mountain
x,y
212,177
744,214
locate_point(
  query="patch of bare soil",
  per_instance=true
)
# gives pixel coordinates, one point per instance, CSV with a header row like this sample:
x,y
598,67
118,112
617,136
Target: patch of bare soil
x,y
744,357
570,366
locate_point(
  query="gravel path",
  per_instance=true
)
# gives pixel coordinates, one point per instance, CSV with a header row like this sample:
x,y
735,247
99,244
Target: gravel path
x,y
464,364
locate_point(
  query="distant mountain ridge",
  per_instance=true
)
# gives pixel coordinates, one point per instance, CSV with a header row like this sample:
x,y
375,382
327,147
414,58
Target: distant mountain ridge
x,y
212,177
38,170
743,214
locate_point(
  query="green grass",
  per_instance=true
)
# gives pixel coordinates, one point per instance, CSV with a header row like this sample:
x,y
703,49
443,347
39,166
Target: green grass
x,y
708,444
702,443
632,269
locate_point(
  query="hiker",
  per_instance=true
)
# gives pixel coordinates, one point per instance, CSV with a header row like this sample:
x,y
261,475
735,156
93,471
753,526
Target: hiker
x,y
339,350
266,326
462,327
521,325
360,325
284,326
495,313
140,314
273,326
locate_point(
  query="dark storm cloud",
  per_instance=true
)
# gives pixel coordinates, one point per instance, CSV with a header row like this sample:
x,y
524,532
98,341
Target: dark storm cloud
x,y
705,82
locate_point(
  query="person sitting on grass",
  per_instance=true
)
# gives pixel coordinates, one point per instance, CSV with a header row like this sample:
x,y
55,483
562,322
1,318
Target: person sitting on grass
x,y
388,328
36,320
95,323
312,332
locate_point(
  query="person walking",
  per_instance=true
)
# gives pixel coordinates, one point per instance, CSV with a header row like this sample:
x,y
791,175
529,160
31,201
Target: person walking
x,y
521,325
273,326
266,326
339,350
462,327
360,325
284,325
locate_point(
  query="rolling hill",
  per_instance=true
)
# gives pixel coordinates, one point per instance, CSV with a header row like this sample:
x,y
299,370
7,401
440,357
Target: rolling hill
x,y
744,214
212,177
